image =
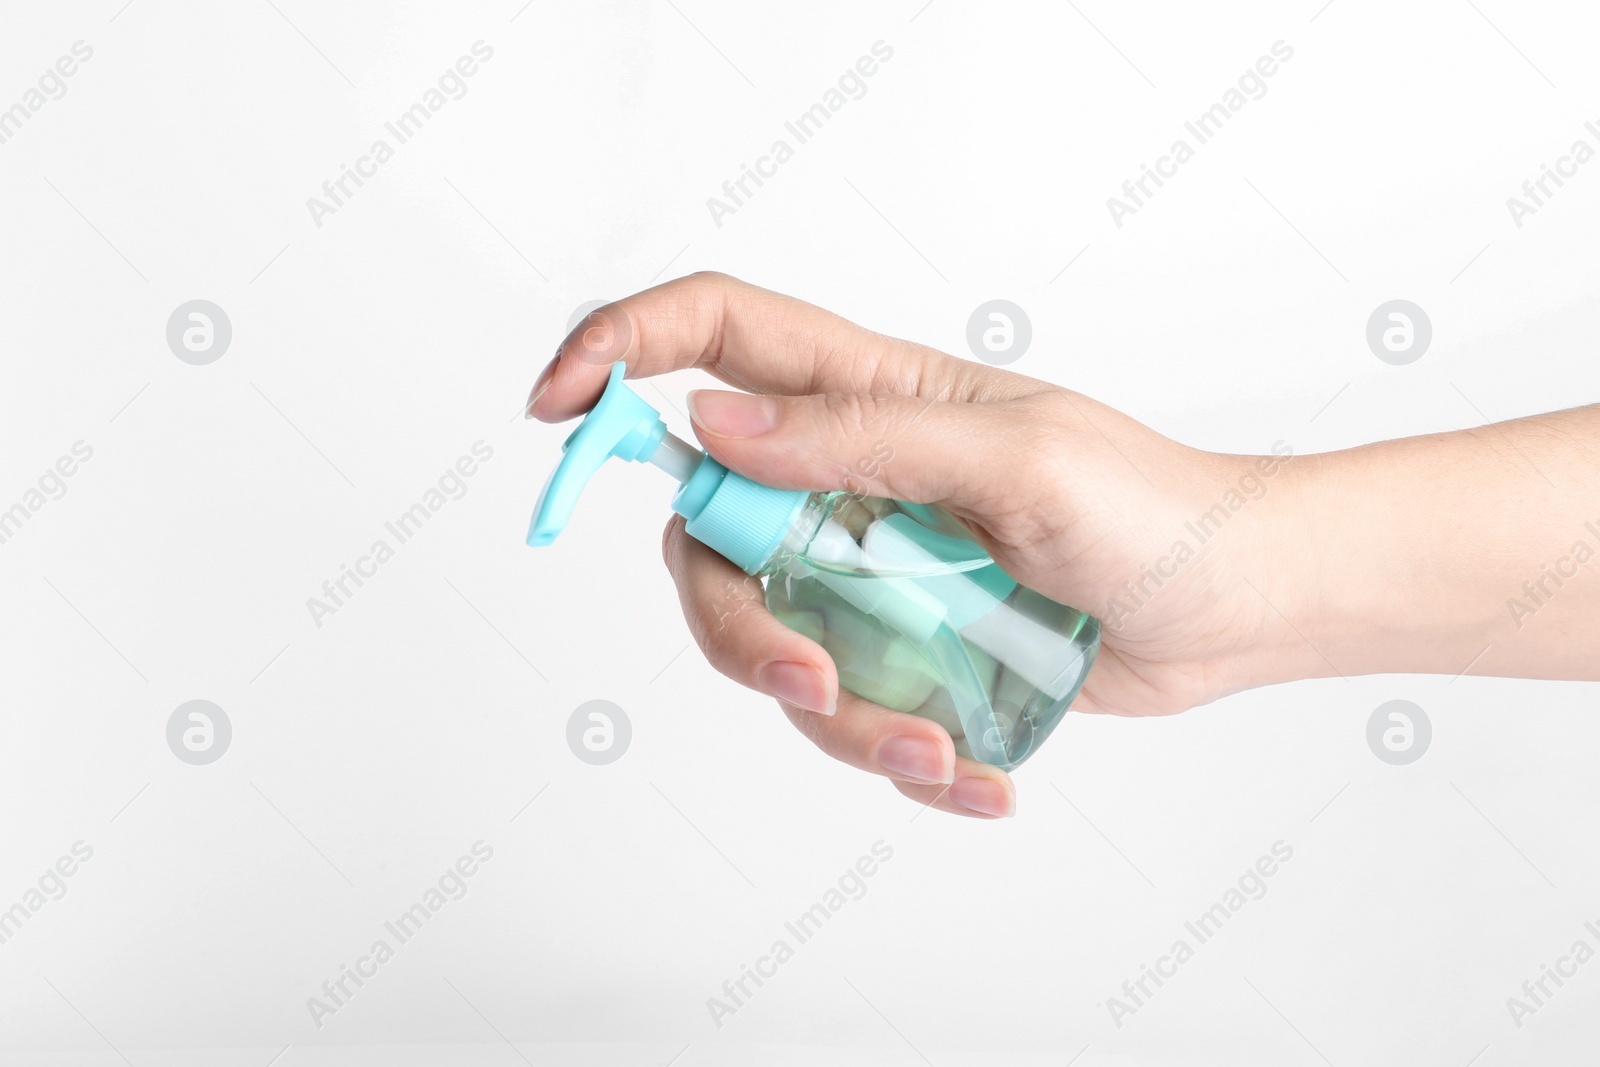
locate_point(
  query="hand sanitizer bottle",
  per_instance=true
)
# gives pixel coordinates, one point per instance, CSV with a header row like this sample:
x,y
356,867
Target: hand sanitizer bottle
x,y
915,614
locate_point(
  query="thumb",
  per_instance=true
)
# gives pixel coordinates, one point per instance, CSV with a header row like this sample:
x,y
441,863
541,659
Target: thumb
x,y
904,447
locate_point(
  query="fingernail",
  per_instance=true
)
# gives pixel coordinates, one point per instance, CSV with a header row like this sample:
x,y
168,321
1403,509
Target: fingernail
x,y
918,757
798,683
540,384
725,414
984,796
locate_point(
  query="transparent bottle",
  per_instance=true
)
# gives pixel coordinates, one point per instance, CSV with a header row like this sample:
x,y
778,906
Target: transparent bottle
x,y
916,616
919,619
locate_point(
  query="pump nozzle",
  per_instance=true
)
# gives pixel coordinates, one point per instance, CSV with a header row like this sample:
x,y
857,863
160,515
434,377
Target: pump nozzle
x,y
743,520
620,424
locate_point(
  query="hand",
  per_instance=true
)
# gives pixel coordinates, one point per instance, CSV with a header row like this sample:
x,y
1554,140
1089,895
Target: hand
x,y
1068,496
1456,553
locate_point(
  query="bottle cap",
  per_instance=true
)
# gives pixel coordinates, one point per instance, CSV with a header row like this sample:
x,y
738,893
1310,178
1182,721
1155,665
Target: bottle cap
x,y
743,520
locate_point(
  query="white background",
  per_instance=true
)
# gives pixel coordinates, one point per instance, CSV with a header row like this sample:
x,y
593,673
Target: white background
x,y
370,353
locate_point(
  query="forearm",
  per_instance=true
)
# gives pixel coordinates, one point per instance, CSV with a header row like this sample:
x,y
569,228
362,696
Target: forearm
x,y
1471,552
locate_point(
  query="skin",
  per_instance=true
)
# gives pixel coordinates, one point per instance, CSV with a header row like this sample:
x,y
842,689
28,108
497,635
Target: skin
x,y
1402,556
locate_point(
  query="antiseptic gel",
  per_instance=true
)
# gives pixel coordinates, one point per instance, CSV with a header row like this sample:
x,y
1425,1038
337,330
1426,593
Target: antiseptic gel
x,y
915,614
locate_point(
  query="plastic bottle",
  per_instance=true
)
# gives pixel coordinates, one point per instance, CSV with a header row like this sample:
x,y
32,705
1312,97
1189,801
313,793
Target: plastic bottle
x,y
915,614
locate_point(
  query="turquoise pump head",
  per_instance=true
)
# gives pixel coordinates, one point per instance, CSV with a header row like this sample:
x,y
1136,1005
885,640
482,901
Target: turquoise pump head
x,y
743,520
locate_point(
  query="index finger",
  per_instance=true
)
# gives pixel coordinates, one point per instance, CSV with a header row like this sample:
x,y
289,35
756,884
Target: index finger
x,y
754,339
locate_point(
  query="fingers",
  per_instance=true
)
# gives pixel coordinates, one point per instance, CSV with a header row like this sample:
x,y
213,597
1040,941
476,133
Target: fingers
x,y
753,339
874,739
729,620
728,617
900,447
915,754
979,791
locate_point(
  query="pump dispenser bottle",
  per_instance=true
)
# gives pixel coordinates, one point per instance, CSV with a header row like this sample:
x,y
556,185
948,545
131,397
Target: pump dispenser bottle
x,y
915,614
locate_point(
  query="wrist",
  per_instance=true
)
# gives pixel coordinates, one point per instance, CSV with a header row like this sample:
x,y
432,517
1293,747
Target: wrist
x,y
1379,565
1285,582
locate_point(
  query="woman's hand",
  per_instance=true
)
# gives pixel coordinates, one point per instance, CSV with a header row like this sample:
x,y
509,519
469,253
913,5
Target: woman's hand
x,y
1071,498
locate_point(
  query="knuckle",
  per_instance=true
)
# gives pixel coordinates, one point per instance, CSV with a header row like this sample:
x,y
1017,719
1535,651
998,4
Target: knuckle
x,y
846,417
711,632
862,430
711,290
716,609
837,424
1038,431
1037,441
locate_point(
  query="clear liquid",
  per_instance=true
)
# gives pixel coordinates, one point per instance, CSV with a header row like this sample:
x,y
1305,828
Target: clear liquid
x,y
920,620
